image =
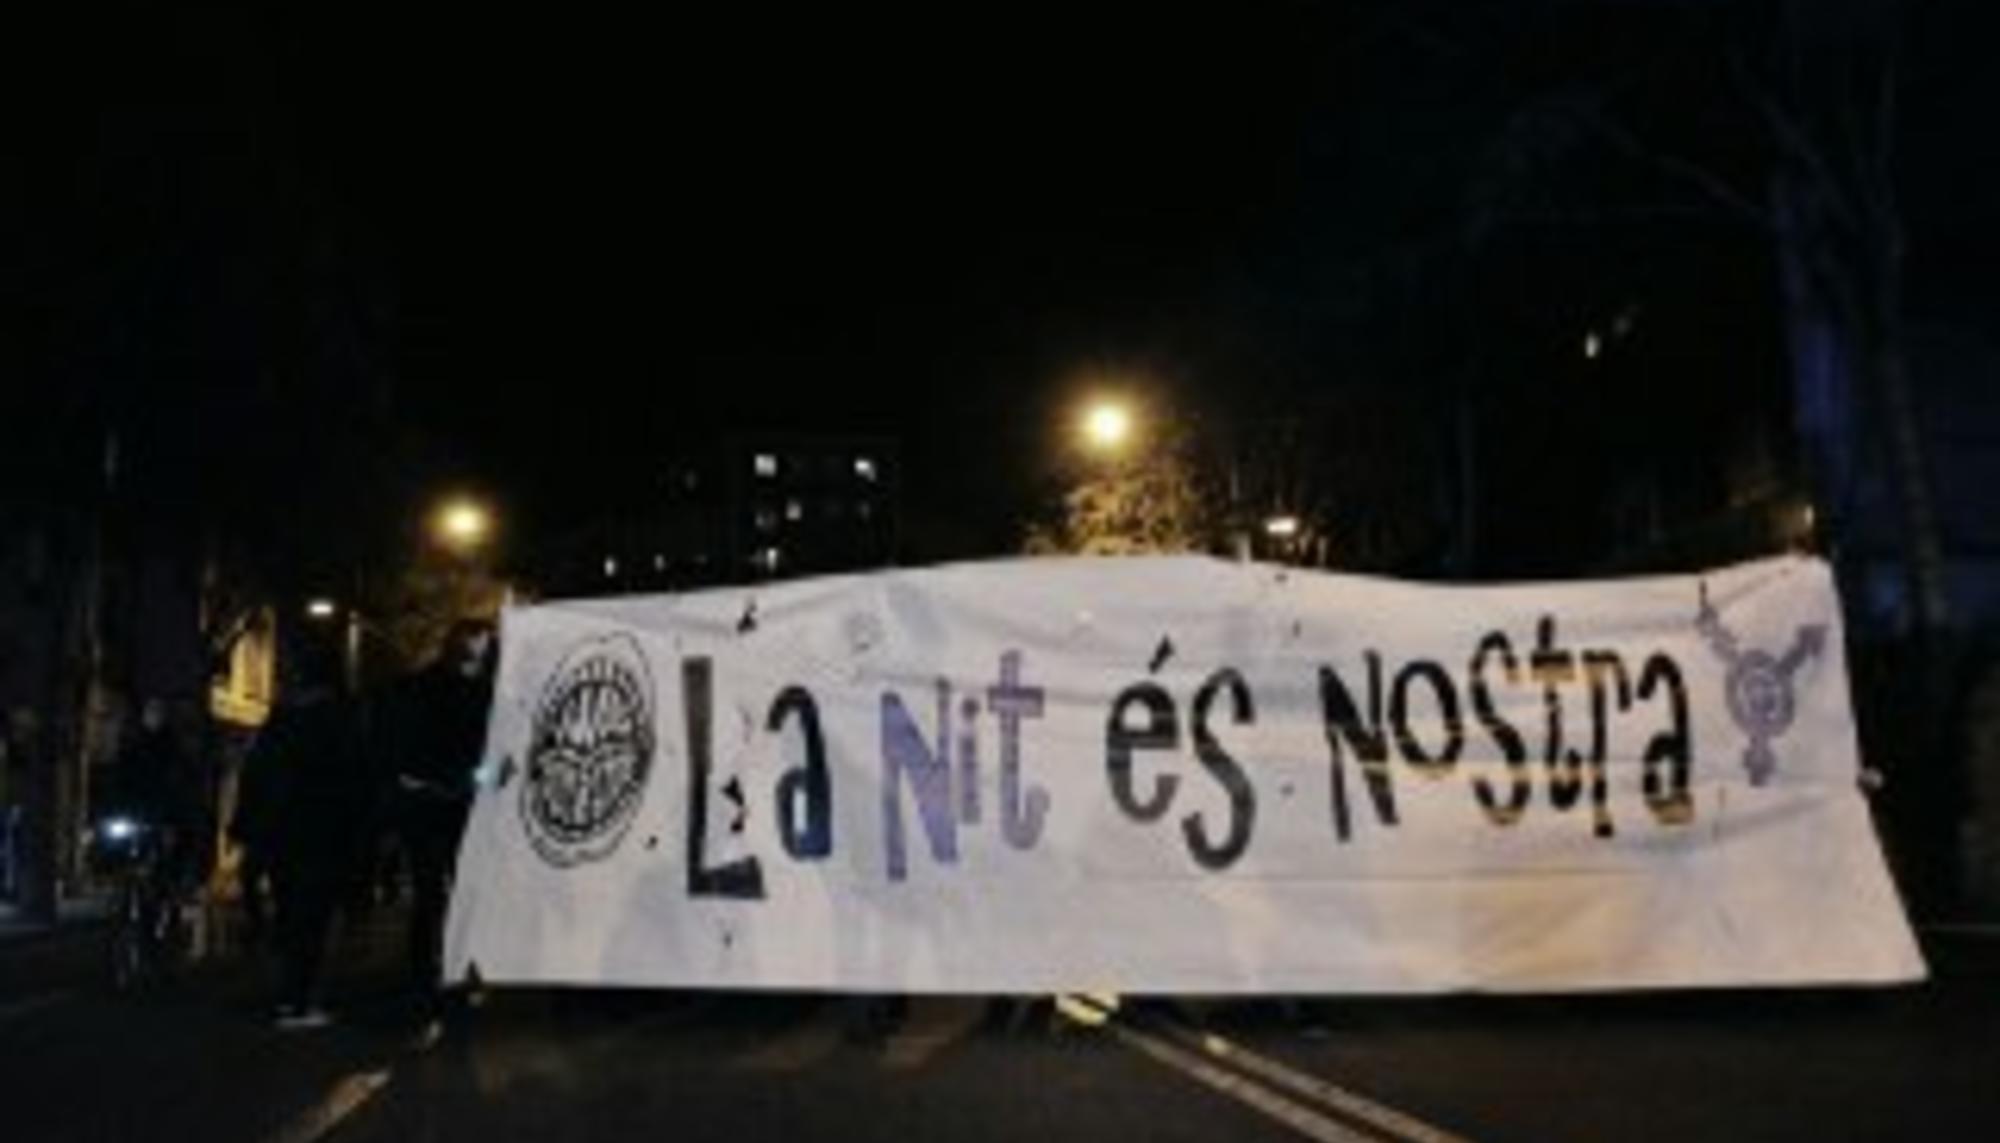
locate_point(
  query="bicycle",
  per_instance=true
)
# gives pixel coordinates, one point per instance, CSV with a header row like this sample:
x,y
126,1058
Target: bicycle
x,y
150,938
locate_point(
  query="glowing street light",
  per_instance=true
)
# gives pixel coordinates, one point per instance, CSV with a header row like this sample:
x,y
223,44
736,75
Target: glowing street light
x,y
463,524
320,609
1282,527
1107,426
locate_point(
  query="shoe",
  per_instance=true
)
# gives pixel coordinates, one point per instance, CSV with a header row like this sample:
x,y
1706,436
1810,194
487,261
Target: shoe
x,y
296,1019
428,1036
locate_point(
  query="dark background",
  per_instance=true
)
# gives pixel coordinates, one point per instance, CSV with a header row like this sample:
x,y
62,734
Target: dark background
x,y
316,266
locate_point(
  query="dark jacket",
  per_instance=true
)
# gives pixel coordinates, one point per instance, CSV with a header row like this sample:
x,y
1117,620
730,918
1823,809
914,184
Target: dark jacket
x,y
435,726
306,795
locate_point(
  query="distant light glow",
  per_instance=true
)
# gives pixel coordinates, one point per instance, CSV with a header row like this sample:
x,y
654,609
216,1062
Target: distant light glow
x,y
864,468
611,567
463,523
320,609
1593,345
1803,524
1107,425
120,829
764,464
1282,527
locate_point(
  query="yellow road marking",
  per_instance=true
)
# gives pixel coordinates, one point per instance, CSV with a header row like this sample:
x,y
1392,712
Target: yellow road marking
x,y
1306,1121
346,1098
1317,1108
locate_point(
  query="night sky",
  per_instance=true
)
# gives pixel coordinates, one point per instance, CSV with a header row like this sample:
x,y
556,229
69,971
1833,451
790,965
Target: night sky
x,y
919,229
537,254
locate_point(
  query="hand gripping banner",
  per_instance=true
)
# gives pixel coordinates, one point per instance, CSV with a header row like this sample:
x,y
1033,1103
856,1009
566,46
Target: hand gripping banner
x,y
1179,775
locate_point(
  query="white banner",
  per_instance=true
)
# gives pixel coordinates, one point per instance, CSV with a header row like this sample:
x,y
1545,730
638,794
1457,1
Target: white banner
x,y
1179,775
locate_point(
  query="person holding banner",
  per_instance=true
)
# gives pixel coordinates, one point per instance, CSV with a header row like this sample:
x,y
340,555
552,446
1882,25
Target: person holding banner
x,y
307,789
438,731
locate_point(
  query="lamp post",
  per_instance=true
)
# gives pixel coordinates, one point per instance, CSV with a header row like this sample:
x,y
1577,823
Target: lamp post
x,y
464,529
1108,427
1108,430
1237,468
462,525
322,610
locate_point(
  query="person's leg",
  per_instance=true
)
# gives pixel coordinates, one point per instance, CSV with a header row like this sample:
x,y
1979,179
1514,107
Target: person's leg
x,y
431,855
252,876
289,937
6,852
430,888
14,820
322,897
306,898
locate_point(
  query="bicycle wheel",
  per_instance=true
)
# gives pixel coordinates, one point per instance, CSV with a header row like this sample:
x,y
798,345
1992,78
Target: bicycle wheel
x,y
128,947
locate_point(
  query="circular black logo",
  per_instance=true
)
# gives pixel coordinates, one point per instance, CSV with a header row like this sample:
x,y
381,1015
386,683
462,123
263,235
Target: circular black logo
x,y
590,749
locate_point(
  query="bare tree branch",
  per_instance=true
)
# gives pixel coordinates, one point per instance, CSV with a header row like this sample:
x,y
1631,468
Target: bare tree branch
x,y
1712,185
1396,22
1836,283
1792,139
1851,134
1882,171
1604,216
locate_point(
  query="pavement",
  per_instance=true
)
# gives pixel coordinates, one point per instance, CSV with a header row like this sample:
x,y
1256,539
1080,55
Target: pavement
x,y
72,912
193,1057
198,1058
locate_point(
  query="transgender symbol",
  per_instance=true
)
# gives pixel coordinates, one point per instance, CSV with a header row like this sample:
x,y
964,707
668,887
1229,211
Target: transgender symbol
x,y
1758,685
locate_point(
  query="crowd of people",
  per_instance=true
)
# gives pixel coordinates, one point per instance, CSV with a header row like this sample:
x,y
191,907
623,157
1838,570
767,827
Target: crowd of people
x,y
328,779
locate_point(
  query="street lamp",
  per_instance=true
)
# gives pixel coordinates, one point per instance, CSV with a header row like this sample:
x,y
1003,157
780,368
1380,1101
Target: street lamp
x,y
1107,426
462,524
1281,527
320,609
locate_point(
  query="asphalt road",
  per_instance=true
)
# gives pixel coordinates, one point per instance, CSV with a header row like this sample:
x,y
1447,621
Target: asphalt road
x,y
197,1060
